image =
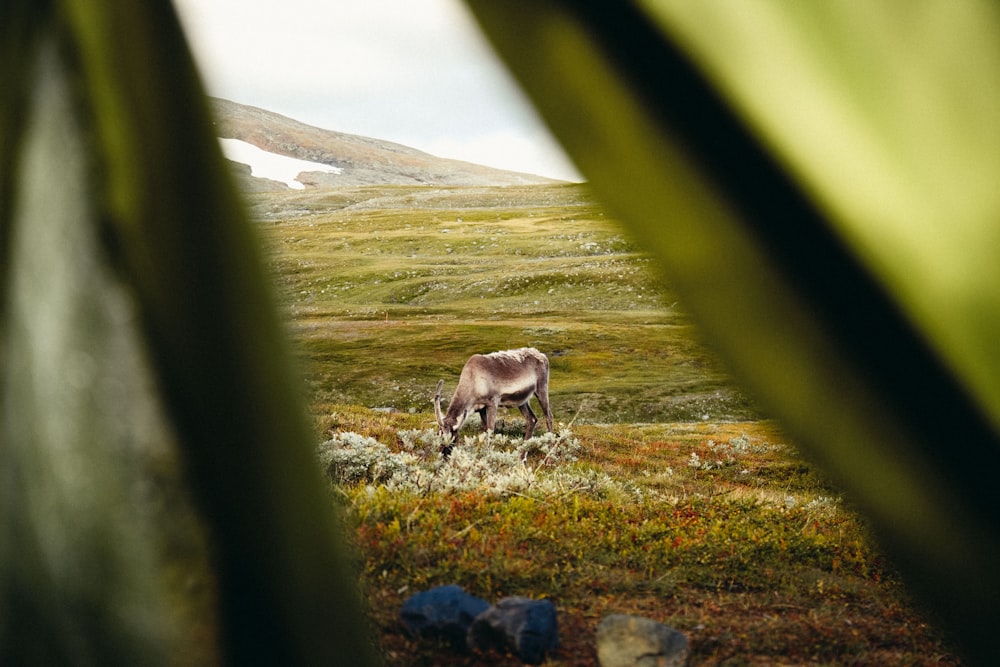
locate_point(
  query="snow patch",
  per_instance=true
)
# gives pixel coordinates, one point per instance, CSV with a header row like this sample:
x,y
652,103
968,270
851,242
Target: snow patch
x,y
271,165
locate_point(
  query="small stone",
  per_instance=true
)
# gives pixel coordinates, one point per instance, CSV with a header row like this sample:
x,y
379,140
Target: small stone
x,y
634,641
525,627
445,612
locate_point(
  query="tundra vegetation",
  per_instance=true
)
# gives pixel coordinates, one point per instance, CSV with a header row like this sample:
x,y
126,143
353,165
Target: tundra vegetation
x,y
663,492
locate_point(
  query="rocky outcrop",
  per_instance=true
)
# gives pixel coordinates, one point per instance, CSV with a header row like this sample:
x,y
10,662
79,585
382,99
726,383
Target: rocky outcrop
x,y
521,626
634,641
445,612
528,629
524,627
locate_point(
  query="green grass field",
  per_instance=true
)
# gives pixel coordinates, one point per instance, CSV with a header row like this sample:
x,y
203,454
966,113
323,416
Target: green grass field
x,y
392,289
677,500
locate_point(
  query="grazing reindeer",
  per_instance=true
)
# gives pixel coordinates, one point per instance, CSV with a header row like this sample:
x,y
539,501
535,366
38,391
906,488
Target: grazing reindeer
x,y
488,381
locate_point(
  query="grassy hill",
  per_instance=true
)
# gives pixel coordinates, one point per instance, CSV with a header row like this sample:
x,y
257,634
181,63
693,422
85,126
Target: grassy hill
x,y
360,160
392,288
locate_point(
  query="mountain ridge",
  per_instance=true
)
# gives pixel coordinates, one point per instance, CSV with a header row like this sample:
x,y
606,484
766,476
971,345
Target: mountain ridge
x,y
361,160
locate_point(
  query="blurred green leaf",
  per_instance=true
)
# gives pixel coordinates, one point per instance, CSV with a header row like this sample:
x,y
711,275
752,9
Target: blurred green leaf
x,y
818,180
149,202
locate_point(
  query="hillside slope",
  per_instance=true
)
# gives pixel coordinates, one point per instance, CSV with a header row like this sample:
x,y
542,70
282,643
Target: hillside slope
x,y
361,160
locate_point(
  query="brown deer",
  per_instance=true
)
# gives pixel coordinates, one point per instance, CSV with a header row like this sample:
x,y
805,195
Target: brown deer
x,y
508,378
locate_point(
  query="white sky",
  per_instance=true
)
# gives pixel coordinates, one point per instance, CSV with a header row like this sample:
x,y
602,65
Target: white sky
x,y
416,72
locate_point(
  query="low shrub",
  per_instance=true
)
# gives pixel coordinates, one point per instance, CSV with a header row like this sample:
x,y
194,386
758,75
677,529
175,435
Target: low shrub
x,y
490,463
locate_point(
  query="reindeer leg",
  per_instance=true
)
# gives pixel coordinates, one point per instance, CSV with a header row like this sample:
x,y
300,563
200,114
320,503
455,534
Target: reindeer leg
x,y
491,416
542,394
482,418
529,420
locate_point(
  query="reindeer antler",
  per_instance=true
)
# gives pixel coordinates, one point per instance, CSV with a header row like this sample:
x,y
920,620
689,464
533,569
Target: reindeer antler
x,y
437,404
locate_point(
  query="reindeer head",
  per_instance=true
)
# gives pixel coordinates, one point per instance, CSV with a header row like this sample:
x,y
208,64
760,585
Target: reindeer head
x,y
447,425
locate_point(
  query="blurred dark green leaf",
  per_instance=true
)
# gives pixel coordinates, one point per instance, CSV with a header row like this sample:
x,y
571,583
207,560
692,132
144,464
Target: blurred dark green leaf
x,y
819,181
137,318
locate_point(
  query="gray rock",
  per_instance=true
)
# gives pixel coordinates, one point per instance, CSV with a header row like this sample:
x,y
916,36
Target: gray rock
x,y
444,612
633,641
525,627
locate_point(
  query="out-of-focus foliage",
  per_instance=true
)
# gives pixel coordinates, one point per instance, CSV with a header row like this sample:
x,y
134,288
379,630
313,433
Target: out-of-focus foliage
x,y
819,181
136,330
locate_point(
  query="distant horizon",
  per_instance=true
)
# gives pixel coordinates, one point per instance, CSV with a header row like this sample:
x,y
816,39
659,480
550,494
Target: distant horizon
x,y
418,74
